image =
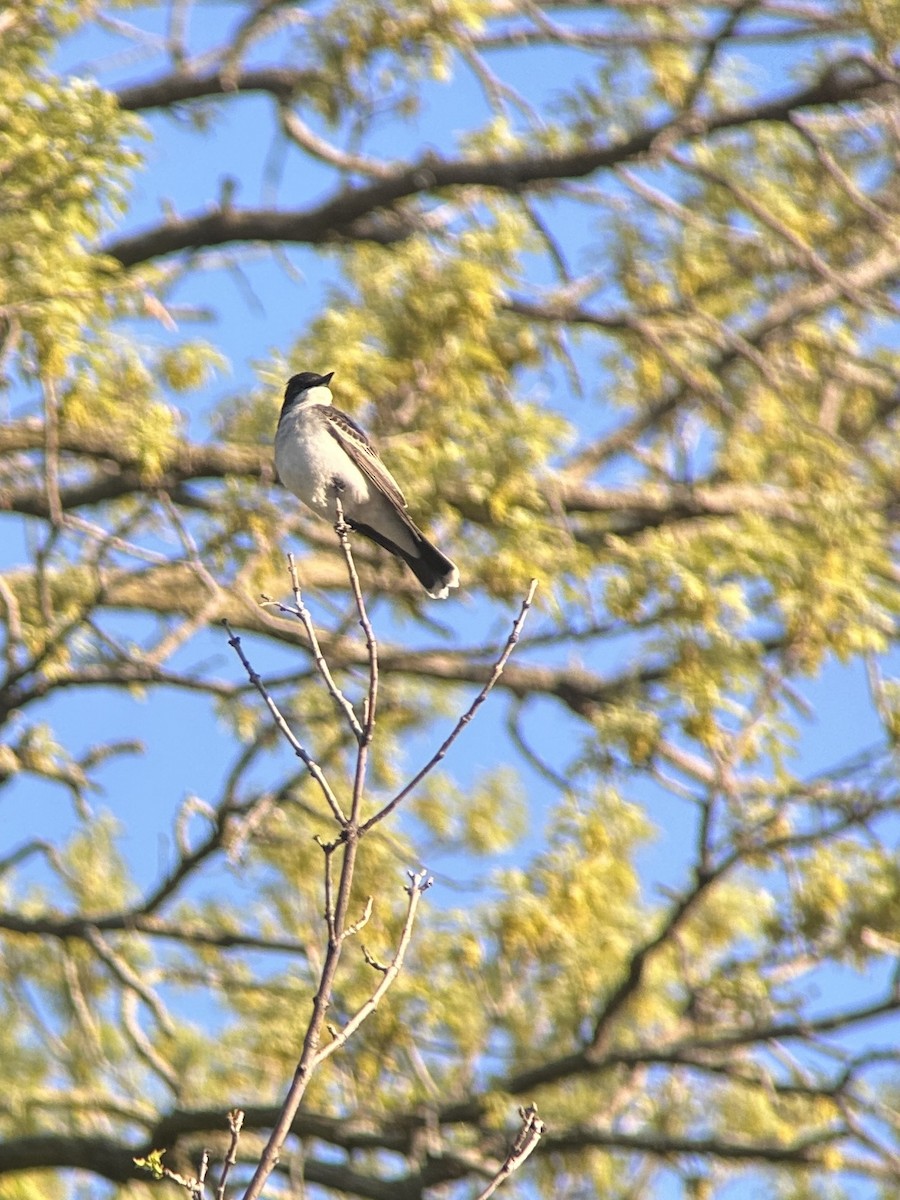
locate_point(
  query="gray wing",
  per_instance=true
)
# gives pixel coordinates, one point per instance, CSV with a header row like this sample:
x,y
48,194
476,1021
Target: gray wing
x,y
352,439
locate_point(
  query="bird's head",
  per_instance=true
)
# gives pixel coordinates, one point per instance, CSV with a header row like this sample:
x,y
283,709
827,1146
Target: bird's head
x,y
304,382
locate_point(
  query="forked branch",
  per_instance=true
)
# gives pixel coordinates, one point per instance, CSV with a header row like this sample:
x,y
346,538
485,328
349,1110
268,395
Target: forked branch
x,y
340,855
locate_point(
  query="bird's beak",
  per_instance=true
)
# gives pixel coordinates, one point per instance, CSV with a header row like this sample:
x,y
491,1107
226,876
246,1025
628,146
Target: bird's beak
x,y
326,379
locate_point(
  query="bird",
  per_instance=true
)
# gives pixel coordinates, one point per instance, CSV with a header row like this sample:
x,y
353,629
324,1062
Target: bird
x,y
321,454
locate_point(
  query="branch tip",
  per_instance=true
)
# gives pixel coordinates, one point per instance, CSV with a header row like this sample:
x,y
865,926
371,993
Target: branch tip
x,y
371,960
524,1143
419,881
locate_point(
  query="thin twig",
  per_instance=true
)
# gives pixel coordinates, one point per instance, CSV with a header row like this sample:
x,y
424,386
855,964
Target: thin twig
x,y
143,1046
307,139
363,921
711,52
464,719
97,533
235,1124
526,1140
342,529
306,617
193,1186
129,978
311,765
303,614
201,1175
36,846
329,849
177,636
419,882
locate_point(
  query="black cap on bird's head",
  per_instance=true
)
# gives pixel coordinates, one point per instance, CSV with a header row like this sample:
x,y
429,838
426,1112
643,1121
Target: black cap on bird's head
x,y
303,382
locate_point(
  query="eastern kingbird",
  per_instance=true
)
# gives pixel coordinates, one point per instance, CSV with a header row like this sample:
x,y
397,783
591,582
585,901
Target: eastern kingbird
x,y
321,453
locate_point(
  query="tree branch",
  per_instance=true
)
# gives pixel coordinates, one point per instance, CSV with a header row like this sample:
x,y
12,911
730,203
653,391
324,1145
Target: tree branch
x,y
360,213
174,88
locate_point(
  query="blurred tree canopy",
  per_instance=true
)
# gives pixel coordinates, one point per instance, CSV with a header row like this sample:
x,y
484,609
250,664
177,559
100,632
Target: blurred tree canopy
x,y
631,328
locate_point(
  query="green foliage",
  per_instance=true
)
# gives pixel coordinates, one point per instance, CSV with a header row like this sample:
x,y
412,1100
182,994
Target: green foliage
x,y
152,1163
487,817
394,45
64,147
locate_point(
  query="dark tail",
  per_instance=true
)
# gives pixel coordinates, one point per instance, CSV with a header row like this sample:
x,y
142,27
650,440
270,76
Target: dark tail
x,y
436,573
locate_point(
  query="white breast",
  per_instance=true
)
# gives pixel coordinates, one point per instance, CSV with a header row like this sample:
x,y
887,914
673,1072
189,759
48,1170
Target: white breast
x,y
309,459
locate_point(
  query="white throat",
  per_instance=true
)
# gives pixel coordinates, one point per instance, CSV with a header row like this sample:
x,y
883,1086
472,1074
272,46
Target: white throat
x,y
314,396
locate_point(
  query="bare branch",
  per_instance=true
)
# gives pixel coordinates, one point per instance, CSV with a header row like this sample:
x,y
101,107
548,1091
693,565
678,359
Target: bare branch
x,y
129,977
287,733
357,926
419,883
302,612
167,91
362,213
142,1044
464,719
526,1142
235,1124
